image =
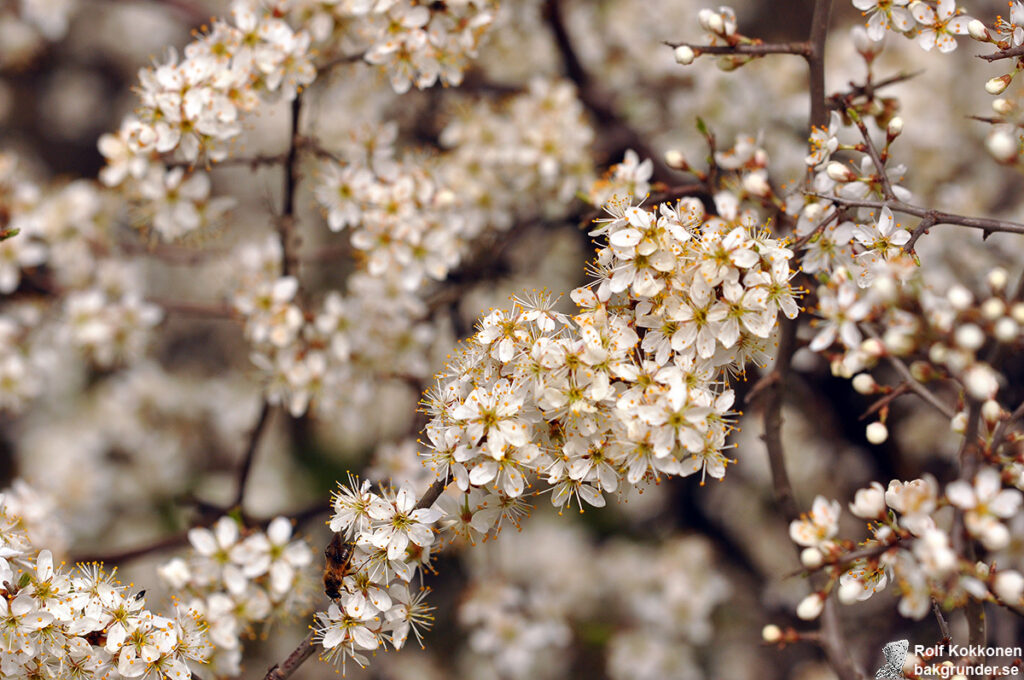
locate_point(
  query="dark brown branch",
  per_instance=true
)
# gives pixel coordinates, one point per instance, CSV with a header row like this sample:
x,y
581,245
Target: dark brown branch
x,y
291,664
937,216
180,539
340,60
1008,53
756,49
286,223
772,437
172,542
943,624
816,62
920,230
843,100
596,99
250,453
434,492
252,162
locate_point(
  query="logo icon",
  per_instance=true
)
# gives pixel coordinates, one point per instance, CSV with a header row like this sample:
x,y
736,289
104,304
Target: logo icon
x,y
895,655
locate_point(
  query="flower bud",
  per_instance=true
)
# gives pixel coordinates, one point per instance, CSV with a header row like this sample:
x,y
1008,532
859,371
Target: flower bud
x,y
771,633
674,158
895,127
998,84
959,297
977,30
811,558
1017,312
1009,586
938,353
1005,329
993,308
850,591
863,383
865,46
811,606
869,503
685,55
876,433
991,411
958,425
711,21
1002,145
839,172
873,347
997,279
1002,106
969,337
981,381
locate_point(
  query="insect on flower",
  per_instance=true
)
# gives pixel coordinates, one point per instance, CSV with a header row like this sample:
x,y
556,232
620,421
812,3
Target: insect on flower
x,y
338,562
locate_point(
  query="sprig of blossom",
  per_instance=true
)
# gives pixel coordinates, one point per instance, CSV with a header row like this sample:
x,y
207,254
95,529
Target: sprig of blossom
x,y
391,539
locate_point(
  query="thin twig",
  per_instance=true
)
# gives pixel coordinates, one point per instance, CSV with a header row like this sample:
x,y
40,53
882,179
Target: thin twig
x,y
1008,53
172,542
943,624
250,453
291,664
912,382
1002,427
843,100
875,157
969,457
286,223
756,49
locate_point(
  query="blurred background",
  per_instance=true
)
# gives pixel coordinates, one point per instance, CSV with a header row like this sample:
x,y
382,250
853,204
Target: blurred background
x,y
674,582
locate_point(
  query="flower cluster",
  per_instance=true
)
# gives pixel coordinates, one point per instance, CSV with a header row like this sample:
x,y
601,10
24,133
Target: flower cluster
x,y
85,622
236,578
420,44
911,544
934,23
337,354
1004,141
390,539
587,402
193,108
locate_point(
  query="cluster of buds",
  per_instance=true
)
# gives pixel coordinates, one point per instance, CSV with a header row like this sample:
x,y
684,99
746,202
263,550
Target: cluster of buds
x,y
911,544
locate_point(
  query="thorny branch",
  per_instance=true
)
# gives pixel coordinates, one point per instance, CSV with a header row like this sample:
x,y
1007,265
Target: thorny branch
x,y
986,224
598,101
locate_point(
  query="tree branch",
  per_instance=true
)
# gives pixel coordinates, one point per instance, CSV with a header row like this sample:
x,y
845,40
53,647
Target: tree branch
x,y
282,670
936,216
250,453
595,99
1008,53
756,48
